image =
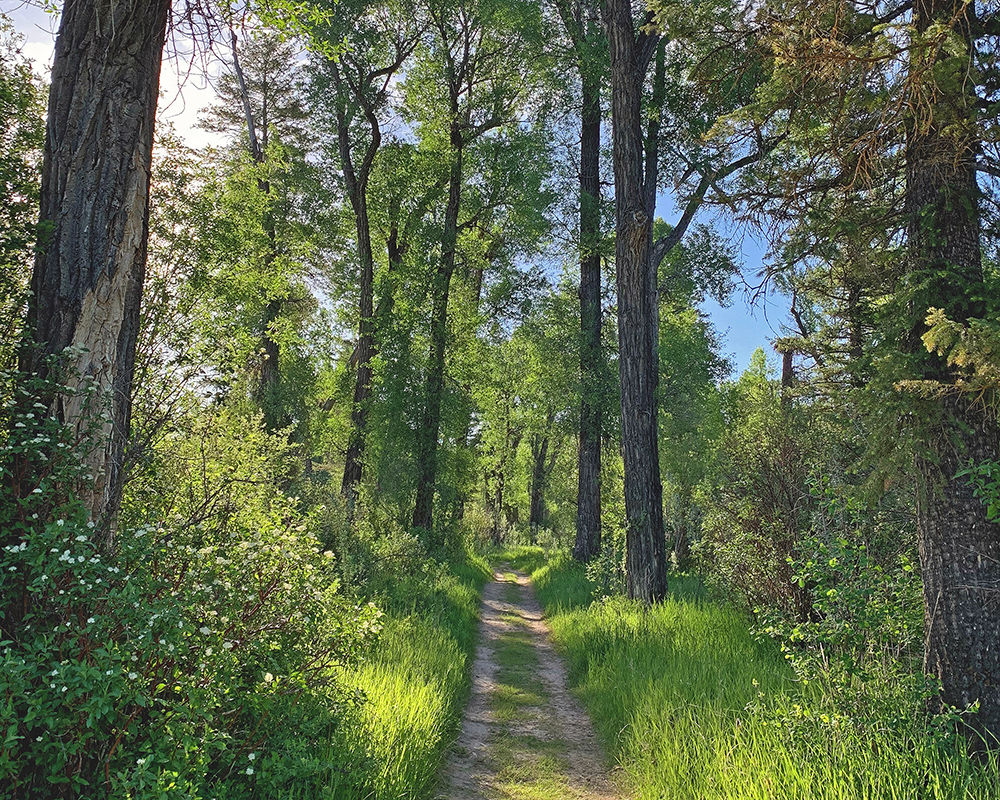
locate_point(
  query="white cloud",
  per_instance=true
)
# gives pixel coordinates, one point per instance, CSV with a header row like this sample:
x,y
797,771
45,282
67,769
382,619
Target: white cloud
x,y
40,55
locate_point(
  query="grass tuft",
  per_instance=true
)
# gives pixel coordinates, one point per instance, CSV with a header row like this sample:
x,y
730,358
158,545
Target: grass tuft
x,y
412,688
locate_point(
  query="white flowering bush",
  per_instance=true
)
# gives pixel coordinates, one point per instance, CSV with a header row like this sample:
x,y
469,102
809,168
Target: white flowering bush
x,y
195,657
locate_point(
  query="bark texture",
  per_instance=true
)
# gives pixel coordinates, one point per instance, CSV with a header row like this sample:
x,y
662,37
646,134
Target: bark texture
x,y
588,513
638,313
89,271
580,21
356,182
959,547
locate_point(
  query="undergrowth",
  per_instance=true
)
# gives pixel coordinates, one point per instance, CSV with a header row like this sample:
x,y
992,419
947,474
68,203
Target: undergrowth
x,y
693,706
412,687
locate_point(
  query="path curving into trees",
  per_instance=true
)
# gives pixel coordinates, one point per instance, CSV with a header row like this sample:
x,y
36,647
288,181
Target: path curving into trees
x,y
523,734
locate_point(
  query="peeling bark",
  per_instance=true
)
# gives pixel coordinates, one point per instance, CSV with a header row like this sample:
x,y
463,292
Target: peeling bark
x,y
89,271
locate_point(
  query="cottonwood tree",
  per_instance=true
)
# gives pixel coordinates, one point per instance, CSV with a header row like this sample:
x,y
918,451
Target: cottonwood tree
x,y
581,21
354,92
404,201
261,106
639,155
471,78
88,274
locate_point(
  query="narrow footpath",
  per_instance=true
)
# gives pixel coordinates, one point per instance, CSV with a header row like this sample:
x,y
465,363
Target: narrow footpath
x,y
524,736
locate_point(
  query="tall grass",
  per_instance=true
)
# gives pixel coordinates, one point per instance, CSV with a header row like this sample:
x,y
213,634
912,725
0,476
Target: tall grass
x,y
411,688
695,708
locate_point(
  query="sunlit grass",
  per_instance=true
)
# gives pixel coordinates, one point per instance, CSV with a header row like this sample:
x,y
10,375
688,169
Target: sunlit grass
x,y
694,708
414,685
409,689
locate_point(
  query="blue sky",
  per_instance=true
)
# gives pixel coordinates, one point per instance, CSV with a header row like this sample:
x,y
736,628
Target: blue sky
x,y
745,328
744,325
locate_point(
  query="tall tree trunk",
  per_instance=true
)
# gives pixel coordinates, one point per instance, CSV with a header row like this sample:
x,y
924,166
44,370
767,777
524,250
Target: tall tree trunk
x,y
588,510
959,547
427,436
366,349
539,459
645,560
855,333
475,276
356,181
581,25
787,376
267,392
89,271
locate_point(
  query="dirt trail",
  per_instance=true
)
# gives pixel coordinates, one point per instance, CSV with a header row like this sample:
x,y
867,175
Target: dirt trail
x,y
523,736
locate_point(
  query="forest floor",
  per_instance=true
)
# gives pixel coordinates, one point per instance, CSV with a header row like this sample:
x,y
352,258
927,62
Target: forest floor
x,y
523,735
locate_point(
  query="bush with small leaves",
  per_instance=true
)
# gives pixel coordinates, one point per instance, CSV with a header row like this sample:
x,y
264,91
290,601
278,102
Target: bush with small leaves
x,y
191,657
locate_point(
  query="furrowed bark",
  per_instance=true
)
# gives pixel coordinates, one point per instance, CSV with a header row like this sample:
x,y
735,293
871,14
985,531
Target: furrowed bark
x,y
959,547
89,271
427,436
588,514
580,23
646,564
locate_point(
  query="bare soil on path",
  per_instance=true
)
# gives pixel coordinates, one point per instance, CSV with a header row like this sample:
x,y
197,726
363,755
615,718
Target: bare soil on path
x,y
523,735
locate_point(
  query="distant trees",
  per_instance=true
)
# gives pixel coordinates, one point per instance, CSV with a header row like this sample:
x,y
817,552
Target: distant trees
x,y
21,109
477,70
255,244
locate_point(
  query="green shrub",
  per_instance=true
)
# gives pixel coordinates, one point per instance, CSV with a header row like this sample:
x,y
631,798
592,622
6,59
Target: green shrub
x,y
196,656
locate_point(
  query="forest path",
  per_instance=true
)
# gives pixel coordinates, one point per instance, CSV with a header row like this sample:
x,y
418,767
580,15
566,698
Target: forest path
x,y
524,736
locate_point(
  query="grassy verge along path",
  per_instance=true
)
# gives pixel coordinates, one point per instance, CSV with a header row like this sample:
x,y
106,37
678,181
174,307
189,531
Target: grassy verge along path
x,y
414,685
523,737
693,707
